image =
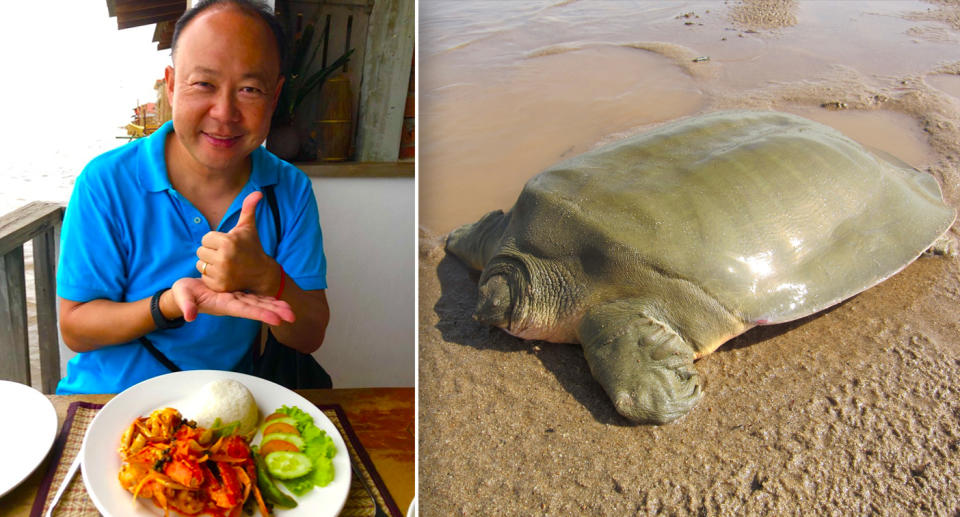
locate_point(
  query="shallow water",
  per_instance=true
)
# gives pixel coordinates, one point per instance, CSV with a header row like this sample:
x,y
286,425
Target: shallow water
x,y
949,84
65,104
508,88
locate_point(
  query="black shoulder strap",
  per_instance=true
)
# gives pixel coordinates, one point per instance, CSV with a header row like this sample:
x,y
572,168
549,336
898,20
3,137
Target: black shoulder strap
x,y
272,199
158,355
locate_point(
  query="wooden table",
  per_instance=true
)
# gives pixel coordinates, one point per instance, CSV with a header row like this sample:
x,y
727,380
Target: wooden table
x,y
383,419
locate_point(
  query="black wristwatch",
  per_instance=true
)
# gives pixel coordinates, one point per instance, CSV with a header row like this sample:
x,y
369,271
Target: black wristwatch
x,y
158,318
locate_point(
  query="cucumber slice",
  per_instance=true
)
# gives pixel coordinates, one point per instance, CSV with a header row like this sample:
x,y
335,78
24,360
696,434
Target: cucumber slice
x,y
288,465
287,437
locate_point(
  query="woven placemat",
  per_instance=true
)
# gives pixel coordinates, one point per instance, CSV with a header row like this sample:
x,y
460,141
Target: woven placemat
x,y
76,503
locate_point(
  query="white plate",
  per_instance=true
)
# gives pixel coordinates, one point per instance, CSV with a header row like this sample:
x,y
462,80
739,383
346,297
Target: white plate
x,y
101,462
28,442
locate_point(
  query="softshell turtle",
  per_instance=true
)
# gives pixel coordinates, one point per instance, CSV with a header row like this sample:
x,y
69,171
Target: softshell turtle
x,y
653,251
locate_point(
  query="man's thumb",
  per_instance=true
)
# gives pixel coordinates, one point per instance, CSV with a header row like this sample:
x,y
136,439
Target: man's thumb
x,y
249,209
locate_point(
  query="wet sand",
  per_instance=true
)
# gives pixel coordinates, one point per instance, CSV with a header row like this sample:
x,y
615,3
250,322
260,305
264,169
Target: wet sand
x,y
853,410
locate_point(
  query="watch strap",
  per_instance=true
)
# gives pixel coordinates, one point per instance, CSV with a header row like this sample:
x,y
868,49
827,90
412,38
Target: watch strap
x,y
159,319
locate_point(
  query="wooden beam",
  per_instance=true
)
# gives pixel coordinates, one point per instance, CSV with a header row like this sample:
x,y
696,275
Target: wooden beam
x,y
14,347
166,11
27,222
143,2
386,73
163,34
128,22
150,7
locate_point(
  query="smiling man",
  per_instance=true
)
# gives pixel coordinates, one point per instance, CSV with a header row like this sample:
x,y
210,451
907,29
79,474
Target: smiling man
x,y
170,256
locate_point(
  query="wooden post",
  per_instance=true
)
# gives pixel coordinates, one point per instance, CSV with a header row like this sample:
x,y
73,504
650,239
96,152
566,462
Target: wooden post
x,y
44,270
15,363
386,74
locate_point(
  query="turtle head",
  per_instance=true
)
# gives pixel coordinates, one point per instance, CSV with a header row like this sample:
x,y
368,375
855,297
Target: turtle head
x,y
496,302
501,286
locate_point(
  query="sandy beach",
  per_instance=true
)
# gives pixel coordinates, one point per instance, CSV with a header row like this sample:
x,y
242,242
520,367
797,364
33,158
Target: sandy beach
x,y
853,410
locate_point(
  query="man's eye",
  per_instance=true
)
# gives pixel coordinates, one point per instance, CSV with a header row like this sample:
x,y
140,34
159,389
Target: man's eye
x,y
251,90
202,84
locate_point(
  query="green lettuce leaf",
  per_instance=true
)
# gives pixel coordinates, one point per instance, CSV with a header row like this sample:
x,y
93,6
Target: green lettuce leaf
x,y
219,429
317,446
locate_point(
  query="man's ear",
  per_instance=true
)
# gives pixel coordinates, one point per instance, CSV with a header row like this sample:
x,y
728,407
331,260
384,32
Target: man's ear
x,y
168,77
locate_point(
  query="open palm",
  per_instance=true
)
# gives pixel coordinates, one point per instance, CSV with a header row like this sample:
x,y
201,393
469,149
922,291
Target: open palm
x,y
194,297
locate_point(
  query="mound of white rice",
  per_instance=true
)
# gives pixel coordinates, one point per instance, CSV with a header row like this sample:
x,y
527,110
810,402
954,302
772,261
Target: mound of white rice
x,y
227,400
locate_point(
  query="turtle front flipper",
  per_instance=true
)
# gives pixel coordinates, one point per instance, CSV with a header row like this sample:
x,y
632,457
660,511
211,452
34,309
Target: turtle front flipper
x,y
477,242
645,367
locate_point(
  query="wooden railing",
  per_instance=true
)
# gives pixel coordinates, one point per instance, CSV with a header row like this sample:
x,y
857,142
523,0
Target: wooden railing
x,y
40,223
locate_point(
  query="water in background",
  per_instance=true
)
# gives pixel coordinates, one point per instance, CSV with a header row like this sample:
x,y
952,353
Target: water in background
x,y
70,83
507,88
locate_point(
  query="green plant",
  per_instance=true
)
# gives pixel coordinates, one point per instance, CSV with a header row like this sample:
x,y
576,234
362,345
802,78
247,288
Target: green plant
x,y
297,86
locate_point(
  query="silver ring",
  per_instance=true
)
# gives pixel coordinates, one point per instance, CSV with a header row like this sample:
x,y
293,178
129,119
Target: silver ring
x,y
203,268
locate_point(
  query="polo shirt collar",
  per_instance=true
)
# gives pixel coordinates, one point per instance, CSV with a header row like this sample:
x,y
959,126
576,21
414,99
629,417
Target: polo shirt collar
x,y
153,170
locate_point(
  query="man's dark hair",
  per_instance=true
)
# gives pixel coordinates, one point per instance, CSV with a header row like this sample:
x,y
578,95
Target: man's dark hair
x,y
254,8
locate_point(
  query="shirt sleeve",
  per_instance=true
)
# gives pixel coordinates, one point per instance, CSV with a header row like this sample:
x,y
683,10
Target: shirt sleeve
x,y
300,250
91,264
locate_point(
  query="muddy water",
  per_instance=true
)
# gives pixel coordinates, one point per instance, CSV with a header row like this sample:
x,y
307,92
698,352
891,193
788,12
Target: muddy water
x,y
949,84
507,88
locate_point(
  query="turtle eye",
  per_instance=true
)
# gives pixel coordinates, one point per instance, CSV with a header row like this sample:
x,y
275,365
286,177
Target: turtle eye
x,y
495,303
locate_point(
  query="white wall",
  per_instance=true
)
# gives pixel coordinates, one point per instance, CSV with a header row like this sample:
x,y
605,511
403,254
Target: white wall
x,y
369,241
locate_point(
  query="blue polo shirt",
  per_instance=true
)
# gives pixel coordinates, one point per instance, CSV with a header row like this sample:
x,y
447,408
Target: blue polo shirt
x,y
128,233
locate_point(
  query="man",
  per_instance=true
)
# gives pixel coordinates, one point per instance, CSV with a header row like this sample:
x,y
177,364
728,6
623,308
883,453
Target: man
x,y
174,226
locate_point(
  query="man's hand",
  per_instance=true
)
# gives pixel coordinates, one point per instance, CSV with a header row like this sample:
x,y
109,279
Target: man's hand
x,y
235,260
191,296
91,325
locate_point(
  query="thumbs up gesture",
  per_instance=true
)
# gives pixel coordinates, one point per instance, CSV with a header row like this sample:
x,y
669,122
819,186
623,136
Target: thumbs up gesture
x,y
235,261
